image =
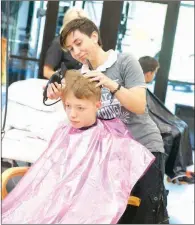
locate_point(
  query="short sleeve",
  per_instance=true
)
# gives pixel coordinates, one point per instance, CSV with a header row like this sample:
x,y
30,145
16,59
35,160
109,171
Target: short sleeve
x,y
54,55
131,71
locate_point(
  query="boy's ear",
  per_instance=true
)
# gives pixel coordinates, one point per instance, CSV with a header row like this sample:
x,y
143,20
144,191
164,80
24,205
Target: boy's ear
x,y
98,104
148,77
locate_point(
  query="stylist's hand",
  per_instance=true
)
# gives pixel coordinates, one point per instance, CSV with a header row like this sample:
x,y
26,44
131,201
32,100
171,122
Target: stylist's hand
x,y
54,91
102,80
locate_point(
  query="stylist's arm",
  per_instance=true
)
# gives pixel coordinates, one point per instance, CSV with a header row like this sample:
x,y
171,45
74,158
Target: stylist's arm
x,y
133,99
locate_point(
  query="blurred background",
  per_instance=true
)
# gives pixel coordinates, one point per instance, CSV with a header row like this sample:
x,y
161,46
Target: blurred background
x,y
162,29
155,28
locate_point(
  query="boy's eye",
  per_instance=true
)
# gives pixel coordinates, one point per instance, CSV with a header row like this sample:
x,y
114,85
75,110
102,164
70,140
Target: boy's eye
x,y
67,106
80,108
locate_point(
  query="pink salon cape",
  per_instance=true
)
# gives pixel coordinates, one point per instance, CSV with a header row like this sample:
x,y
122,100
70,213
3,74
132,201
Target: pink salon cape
x,y
83,177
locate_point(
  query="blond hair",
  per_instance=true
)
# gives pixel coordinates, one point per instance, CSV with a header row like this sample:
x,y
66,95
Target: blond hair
x,y
81,87
71,14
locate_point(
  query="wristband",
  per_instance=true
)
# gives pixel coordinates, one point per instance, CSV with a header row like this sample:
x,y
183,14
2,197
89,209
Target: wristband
x,y
118,88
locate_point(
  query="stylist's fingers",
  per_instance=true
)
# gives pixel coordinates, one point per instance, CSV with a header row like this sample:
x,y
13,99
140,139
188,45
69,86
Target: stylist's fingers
x,y
92,74
50,92
100,84
63,81
102,79
95,79
56,89
60,87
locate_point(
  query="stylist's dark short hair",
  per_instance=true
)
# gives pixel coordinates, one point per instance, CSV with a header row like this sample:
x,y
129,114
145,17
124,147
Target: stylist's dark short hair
x,y
84,25
148,64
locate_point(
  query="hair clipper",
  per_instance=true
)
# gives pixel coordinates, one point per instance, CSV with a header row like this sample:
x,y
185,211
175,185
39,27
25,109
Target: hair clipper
x,y
56,77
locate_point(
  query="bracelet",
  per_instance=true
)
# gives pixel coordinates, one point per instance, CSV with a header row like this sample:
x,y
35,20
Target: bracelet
x,y
118,88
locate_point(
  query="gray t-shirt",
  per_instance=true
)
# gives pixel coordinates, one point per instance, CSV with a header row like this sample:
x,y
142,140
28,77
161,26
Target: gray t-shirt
x,y
127,72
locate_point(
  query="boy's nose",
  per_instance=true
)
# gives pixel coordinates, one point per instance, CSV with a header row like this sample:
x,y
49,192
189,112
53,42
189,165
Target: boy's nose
x,y
72,113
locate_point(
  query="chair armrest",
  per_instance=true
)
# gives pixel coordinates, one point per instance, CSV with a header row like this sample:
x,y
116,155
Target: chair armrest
x,y
135,201
20,171
8,174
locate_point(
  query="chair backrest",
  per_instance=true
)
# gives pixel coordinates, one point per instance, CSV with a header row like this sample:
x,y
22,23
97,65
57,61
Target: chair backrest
x,y
186,113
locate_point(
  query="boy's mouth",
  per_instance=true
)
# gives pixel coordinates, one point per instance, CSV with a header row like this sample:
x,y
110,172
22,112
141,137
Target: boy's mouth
x,y
74,122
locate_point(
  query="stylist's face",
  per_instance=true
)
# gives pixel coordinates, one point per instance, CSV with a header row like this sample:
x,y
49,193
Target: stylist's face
x,y
81,46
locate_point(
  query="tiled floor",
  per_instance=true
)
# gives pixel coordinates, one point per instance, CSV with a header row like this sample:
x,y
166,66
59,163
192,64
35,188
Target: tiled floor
x,y
181,202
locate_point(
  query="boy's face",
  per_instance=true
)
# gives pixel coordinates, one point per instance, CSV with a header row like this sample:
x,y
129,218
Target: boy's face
x,y
149,76
81,112
81,46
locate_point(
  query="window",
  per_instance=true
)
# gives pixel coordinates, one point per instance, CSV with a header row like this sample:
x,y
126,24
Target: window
x,y
141,29
181,76
26,25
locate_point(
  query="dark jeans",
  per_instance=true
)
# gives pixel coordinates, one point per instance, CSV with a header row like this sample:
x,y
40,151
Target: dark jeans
x,y
150,189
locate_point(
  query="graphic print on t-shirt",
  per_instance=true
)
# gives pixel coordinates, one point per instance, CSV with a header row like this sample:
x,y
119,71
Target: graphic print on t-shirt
x,y
111,107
